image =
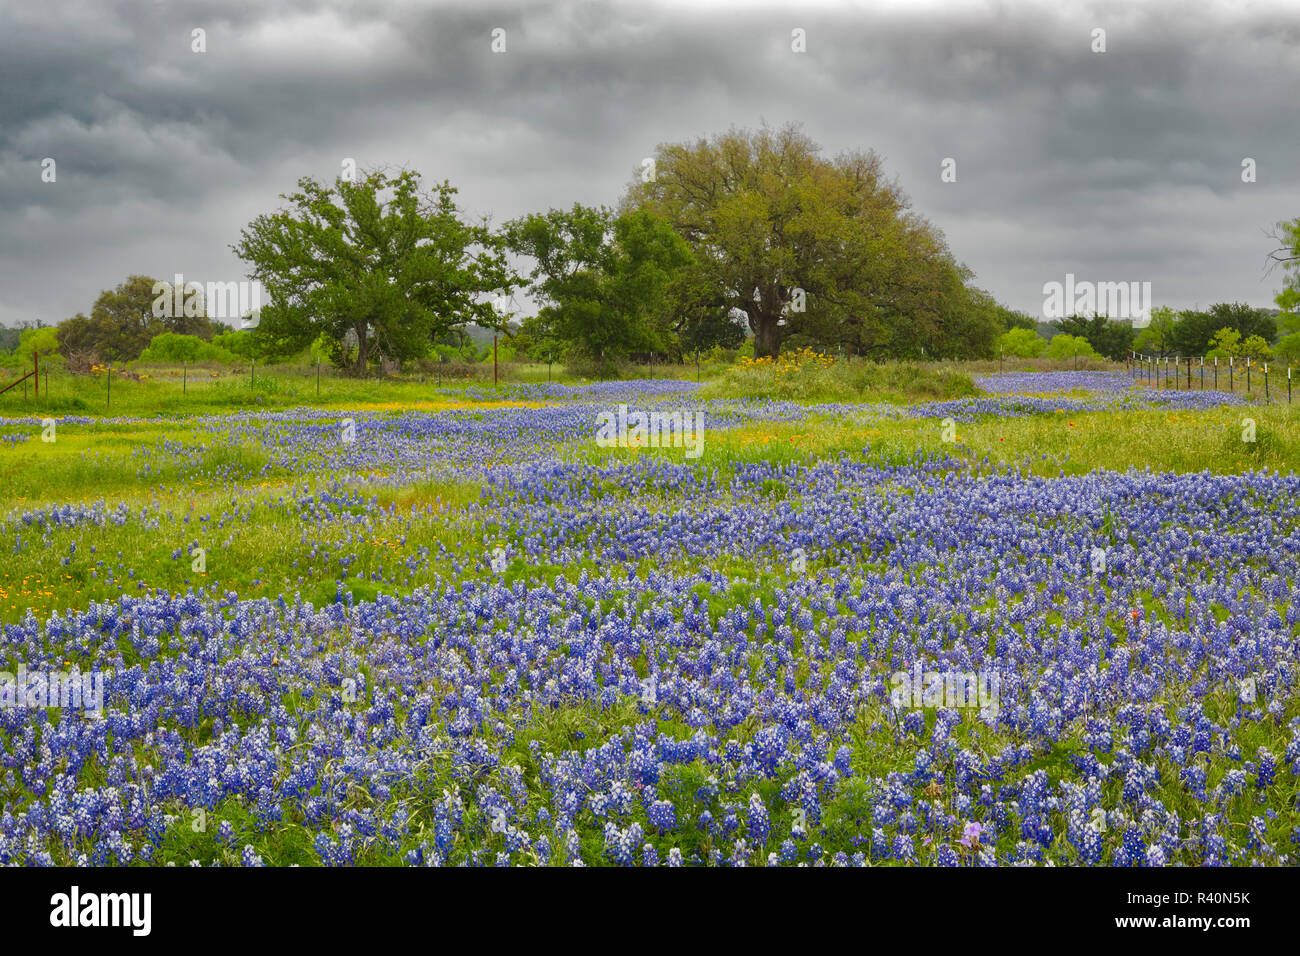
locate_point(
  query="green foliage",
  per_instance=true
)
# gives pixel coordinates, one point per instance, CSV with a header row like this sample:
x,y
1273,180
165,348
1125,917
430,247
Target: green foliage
x,y
1225,342
44,340
611,285
1288,348
1192,332
124,320
319,350
121,323
244,344
1109,337
1016,320
1066,346
375,266
1157,337
172,347
40,339
1256,347
814,251
1022,343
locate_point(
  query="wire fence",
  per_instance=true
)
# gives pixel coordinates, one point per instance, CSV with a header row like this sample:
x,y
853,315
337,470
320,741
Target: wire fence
x,y
1256,380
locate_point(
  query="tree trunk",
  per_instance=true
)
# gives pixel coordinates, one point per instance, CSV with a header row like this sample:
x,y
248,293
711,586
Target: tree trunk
x,y
363,352
766,341
764,319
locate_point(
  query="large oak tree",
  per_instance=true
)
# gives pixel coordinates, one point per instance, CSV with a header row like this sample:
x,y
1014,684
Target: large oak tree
x,y
377,258
777,228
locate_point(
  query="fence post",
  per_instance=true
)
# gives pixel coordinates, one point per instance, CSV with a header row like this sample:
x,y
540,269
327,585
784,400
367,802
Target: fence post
x,y
36,373
1202,373
1216,373
1266,399
1231,369
318,378
1189,373
1247,375
185,368
252,367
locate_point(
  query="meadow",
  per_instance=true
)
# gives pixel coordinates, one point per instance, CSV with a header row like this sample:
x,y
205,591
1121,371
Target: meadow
x,y
435,623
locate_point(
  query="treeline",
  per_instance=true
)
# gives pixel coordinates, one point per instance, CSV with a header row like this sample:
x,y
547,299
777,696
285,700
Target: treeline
x,y
749,237
126,325
122,326
750,233
1223,330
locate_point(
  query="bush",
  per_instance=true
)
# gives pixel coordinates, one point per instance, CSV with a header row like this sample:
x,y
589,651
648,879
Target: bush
x,y
1023,343
240,344
1288,348
1070,346
582,365
174,347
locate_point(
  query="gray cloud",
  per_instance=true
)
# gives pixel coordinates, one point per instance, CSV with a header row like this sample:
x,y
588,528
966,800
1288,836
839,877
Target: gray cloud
x,y
1123,165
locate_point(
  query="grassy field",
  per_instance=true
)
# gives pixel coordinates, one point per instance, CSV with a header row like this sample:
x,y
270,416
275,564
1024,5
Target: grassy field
x,y
211,388
439,623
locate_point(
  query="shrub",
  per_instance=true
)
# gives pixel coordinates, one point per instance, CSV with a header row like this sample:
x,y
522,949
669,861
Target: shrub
x,y
175,347
1023,343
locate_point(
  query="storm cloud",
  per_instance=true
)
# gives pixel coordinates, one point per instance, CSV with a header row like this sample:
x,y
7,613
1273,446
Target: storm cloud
x,y
1123,165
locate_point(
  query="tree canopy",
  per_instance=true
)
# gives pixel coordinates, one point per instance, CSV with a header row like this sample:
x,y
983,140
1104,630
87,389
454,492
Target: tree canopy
x,y
377,258
814,250
616,285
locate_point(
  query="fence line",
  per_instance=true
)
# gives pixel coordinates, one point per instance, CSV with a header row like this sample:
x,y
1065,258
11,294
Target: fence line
x,y
1166,371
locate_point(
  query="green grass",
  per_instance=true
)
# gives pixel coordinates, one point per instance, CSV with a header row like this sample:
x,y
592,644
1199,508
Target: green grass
x,y
263,552
217,389
841,381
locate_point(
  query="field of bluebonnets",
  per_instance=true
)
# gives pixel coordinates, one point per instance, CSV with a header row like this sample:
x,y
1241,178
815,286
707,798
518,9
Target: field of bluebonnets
x,y
464,633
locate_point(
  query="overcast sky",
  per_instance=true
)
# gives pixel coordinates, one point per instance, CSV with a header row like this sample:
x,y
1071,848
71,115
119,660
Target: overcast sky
x,y
1123,165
